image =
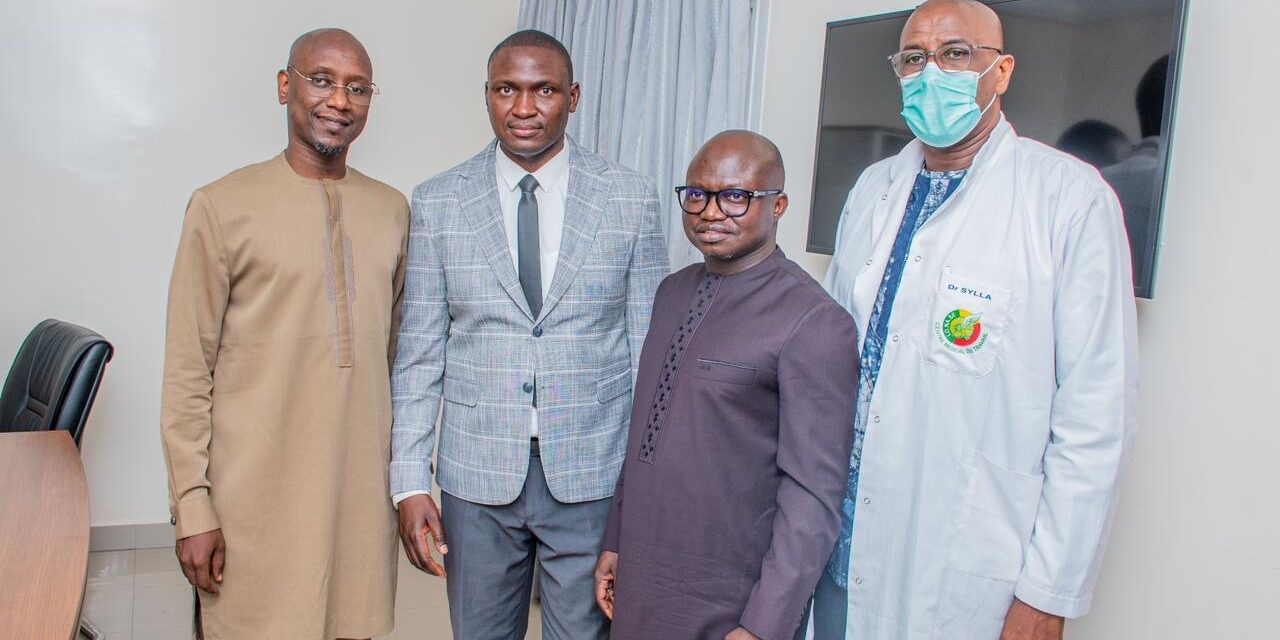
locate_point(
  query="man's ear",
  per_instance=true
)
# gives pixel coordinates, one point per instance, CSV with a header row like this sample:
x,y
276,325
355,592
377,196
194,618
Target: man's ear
x,y
1005,68
780,206
574,92
282,85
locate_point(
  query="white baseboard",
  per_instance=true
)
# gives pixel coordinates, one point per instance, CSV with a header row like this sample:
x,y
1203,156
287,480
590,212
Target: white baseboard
x,y
130,536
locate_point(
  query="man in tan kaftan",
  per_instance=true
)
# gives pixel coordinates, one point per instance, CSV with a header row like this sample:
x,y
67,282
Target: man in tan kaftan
x,y
276,410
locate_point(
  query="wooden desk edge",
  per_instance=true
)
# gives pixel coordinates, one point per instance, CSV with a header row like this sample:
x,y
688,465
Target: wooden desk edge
x,y
57,479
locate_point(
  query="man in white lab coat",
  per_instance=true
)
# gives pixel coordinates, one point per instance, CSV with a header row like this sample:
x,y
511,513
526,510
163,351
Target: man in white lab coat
x,y
989,277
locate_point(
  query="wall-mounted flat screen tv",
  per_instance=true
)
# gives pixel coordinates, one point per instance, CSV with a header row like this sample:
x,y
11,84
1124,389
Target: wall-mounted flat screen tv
x,y
1095,78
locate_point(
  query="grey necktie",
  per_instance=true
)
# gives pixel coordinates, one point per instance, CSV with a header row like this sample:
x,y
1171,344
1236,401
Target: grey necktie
x,y
527,244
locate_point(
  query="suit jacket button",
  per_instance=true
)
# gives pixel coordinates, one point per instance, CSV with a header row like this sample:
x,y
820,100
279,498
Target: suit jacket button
x,y
528,387
537,332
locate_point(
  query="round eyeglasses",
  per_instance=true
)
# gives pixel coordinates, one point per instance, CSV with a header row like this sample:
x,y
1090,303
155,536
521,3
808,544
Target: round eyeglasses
x,y
360,93
952,58
732,202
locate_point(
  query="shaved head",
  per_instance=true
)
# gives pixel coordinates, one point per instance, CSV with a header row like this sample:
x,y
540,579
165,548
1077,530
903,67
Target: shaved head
x,y
735,161
326,37
754,151
324,119
936,25
979,22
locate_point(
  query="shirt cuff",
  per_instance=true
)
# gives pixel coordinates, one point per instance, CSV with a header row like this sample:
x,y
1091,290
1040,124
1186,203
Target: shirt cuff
x,y
400,497
194,514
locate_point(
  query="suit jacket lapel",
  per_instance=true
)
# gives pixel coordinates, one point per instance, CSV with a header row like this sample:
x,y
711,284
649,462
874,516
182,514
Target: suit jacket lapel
x,y
483,211
584,208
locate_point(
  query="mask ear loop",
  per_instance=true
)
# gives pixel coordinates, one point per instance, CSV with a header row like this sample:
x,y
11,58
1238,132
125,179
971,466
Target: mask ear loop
x,y
993,95
991,66
993,101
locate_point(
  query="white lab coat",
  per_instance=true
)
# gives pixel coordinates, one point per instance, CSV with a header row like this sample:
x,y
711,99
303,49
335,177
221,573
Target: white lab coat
x,y
992,453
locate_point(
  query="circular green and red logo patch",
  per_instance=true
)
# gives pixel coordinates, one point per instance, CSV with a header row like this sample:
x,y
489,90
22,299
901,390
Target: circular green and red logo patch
x,y
961,331
962,327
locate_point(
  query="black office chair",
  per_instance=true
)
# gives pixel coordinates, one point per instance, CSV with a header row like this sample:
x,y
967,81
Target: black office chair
x,y
54,379
52,384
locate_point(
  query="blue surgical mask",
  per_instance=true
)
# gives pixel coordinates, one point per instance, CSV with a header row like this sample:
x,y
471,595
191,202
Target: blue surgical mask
x,y
941,107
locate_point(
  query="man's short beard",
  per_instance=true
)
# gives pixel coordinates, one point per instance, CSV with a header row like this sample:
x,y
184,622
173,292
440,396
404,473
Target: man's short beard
x,y
328,151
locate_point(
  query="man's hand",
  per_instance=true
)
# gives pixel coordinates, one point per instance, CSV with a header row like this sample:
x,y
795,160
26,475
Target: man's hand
x,y
741,634
605,573
1023,622
202,557
419,518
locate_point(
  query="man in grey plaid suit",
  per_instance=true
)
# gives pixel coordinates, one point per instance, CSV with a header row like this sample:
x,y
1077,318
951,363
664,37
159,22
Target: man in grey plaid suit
x,y
531,274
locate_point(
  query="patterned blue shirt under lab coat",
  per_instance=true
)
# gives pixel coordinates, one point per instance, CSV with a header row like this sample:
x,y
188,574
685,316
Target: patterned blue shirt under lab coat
x,y
932,188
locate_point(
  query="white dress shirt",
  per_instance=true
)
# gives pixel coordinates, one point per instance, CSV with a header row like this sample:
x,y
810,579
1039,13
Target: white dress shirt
x,y
551,192
552,189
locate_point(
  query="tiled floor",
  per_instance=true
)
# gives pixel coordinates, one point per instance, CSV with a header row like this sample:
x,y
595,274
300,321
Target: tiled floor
x,y
142,595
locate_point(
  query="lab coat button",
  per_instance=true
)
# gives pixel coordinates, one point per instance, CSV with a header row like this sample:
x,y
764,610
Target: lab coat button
x,y
857,580
918,258
884,196
868,263
876,419
866,501
894,337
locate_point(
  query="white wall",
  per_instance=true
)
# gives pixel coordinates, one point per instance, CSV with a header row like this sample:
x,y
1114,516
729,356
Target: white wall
x,y
135,103
1195,553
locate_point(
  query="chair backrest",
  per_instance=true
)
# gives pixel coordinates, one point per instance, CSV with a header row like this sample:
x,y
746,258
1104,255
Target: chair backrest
x,y
54,379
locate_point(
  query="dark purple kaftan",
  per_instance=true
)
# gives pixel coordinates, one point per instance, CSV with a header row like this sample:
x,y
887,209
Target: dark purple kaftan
x,y
728,503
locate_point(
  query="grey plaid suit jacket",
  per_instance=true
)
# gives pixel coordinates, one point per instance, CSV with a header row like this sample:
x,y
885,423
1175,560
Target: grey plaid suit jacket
x,y
467,336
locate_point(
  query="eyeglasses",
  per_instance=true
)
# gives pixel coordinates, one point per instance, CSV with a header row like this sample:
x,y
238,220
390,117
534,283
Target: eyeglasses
x,y
951,58
357,92
732,202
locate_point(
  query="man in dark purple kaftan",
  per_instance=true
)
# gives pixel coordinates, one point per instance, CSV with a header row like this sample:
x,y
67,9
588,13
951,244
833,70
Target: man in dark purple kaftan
x,y
728,503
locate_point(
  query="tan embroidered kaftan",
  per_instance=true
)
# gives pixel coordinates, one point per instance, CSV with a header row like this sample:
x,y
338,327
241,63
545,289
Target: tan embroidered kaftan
x,y
276,410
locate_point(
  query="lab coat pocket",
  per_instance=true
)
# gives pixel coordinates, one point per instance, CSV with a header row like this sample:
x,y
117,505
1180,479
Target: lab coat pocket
x,y
989,544
967,323
994,529
970,607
